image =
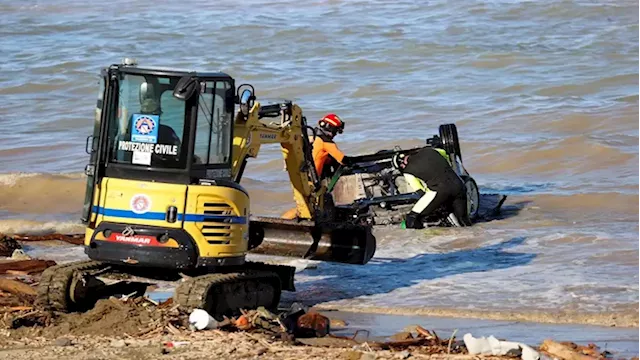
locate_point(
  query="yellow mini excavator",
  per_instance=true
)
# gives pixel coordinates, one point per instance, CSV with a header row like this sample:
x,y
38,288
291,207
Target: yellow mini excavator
x,y
164,201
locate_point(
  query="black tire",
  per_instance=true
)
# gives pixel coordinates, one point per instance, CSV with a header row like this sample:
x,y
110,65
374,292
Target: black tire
x,y
449,136
473,197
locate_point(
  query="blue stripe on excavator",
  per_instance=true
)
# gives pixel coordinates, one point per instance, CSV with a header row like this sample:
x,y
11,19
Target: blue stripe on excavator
x,y
161,216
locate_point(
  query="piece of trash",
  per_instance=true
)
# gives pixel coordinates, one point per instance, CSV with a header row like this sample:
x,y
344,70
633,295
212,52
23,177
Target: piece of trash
x,y
243,323
176,344
493,346
151,301
19,254
312,324
126,297
200,320
289,319
266,314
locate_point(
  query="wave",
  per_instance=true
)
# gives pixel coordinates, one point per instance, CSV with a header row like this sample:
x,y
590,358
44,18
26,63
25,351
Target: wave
x,y
606,204
62,196
566,156
31,227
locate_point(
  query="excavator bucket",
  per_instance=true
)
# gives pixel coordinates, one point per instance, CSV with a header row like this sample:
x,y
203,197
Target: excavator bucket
x,y
349,244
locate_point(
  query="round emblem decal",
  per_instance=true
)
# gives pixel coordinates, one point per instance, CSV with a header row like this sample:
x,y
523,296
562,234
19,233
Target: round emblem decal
x,y
145,125
140,203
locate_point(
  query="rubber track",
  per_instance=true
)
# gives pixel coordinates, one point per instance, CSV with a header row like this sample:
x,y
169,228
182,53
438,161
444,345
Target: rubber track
x,y
54,284
192,293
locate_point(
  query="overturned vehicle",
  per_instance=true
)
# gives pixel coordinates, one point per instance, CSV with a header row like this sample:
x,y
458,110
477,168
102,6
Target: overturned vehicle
x,y
371,190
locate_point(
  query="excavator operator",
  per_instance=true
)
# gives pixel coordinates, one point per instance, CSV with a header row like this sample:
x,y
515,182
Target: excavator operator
x,y
326,155
429,173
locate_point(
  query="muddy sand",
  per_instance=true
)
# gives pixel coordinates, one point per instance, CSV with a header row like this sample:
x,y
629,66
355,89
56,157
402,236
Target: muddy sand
x,y
139,328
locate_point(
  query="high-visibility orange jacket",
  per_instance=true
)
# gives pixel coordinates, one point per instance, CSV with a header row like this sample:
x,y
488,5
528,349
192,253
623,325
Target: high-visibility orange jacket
x,y
325,151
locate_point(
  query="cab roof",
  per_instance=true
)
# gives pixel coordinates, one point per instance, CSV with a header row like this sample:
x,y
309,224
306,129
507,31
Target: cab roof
x,y
164,71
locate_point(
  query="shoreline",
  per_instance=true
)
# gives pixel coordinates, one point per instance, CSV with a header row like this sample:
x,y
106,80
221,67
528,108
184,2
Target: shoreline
x,y
134,328
610,319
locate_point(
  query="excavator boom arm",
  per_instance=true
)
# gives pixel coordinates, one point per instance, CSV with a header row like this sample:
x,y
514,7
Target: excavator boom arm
x,y
289,129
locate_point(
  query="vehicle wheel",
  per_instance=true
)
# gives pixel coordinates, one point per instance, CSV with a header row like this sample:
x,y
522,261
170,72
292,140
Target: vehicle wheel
x,y
449,136
473,198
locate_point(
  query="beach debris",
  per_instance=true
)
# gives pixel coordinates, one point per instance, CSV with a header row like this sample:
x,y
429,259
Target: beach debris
x,y
312,324
290,317
493,346
423,341
425,333
16,287
201,320
243,323
8,245
175,344
138,319
75,239
572,351
25,267
19,254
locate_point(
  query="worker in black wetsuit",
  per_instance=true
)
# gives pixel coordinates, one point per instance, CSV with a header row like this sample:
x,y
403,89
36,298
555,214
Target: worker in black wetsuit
x,y
430,174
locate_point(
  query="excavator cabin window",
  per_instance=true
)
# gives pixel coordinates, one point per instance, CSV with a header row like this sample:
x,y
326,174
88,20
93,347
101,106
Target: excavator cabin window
x,y
213,130
149,125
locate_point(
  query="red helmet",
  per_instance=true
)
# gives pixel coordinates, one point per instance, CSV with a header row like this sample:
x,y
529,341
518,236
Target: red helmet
x,y
332,123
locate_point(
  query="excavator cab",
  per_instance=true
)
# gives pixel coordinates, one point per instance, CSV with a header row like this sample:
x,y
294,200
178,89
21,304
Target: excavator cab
x,y
164,198
161,126
161,166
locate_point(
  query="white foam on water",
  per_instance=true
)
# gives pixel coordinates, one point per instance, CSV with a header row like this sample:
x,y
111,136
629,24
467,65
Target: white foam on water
x,y
57,251
11,179
30,227
503,270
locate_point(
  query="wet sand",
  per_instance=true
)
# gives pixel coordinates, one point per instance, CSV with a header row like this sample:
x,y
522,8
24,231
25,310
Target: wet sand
x,y
625,320
622,342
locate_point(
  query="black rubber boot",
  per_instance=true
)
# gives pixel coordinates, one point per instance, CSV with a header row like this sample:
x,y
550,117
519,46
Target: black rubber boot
x,y
413,221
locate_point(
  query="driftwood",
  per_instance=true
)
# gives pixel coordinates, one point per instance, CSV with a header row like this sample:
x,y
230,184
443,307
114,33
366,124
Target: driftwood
x,y
76,239
563,351
25,267
16,287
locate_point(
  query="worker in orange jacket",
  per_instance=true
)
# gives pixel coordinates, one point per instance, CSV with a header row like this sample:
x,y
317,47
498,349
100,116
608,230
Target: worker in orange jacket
x,y
326,154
